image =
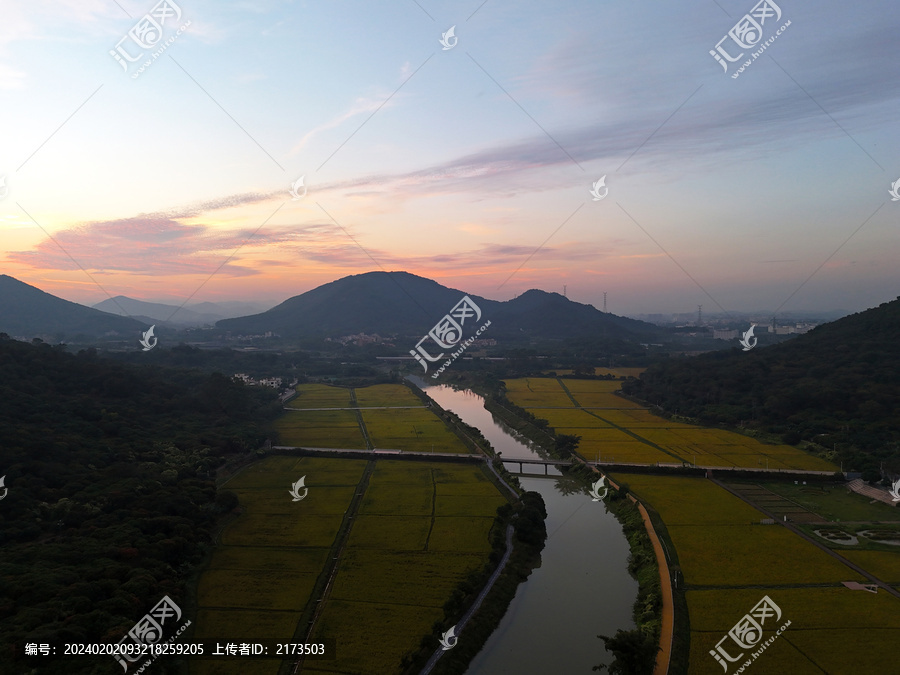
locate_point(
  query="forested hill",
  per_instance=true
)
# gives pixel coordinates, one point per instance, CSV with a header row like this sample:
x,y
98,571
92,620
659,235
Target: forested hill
x,y
841,379
111,491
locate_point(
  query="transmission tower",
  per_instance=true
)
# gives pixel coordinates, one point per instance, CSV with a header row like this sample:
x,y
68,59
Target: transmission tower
x,y
699,315
604,302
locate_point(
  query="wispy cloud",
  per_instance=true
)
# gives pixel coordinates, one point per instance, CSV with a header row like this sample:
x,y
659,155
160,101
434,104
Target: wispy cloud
x,y
361,106
156,246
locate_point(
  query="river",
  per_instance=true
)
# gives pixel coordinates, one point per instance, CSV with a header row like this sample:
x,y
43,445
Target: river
x,y
581,589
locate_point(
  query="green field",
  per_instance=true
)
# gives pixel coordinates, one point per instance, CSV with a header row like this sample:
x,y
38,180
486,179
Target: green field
x,y
387,395
421,529
411,430
320,396
405,424
320,429
824,623
262,572
404,558
836,503
883,564
728,564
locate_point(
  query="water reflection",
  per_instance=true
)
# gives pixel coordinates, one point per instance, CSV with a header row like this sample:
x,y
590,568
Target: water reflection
x,y
581,587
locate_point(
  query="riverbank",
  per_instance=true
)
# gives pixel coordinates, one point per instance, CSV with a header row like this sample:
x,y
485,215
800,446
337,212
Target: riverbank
x,y
653,611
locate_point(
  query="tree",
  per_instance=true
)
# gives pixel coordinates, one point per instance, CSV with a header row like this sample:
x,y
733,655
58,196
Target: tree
x,y
634,651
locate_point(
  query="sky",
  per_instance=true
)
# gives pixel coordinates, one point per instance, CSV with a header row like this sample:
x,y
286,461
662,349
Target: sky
x,y
469,161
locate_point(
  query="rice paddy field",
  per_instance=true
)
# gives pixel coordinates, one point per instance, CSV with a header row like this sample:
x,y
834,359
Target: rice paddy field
x,y
403,562
262,572
323,416
729,562
320,396
421,528
614,429
410,430
386,395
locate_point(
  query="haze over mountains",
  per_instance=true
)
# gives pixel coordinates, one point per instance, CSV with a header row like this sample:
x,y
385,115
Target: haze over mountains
x,y
386,303
403,303
395,303
26,311
199,314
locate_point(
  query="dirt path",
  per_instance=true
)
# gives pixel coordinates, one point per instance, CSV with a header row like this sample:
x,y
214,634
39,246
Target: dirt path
x,y
667,627
667,630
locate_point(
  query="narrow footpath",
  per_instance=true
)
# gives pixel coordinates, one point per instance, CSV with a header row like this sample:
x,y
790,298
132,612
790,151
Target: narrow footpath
x,y
461,624
667,626
331,567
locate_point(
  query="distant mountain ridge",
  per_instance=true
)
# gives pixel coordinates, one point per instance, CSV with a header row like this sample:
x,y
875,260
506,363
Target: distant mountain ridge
x,y
26,311
400,303
387,303
201,314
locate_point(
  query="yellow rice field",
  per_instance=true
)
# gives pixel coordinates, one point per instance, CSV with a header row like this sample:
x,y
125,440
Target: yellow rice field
x,y
601,418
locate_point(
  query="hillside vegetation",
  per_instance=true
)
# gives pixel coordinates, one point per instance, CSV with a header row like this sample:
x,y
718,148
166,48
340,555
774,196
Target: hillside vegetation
x,y
839,384
110,472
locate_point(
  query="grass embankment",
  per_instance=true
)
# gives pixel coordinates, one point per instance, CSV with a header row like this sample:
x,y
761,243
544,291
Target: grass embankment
x,y
642,565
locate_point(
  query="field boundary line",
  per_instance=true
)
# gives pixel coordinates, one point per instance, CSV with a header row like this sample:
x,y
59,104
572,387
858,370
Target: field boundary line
x,y
568,393
330,570
362,423
834,554
433,506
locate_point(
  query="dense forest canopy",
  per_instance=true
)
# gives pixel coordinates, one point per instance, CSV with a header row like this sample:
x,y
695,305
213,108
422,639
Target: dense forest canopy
x,y
838,384
110,470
